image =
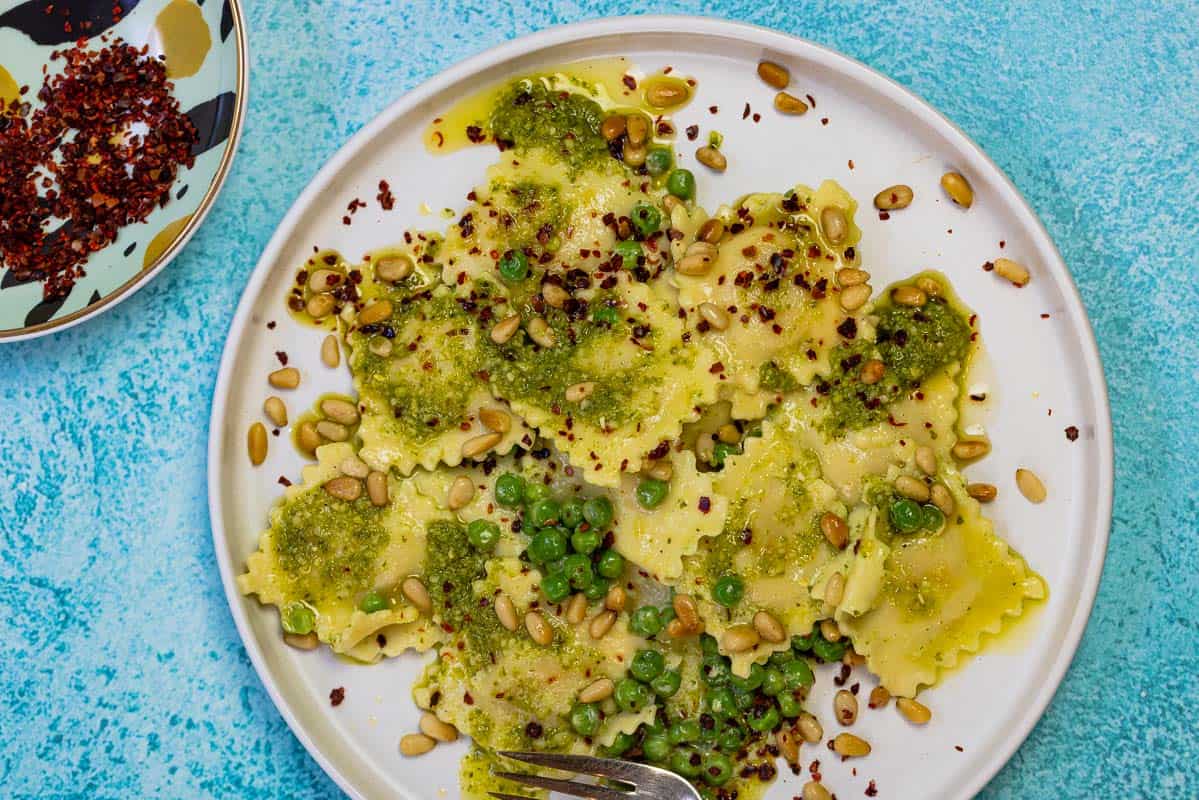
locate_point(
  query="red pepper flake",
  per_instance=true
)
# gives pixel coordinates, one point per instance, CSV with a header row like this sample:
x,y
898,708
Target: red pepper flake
x,y
283,481
871,789
745,113
811,100
354,205
282,356
824,120
629,81
475,134
884,216
337,696
716,368
692,132
270,326
851,163
1072,433
959,748
988,266
713,109
705,505
757,117
386,199
1044,316
345,220
1002,244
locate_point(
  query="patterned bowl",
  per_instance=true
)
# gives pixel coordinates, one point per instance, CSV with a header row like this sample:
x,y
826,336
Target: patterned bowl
x,y
204,46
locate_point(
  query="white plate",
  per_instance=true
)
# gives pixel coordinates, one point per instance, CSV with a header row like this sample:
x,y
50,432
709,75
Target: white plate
x,y
1040,366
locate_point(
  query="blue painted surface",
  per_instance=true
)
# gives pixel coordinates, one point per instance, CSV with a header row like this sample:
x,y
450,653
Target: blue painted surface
x,y
121,673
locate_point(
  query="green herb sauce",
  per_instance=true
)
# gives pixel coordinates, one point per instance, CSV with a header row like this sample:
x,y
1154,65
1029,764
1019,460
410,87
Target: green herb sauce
x,y
326,547
565,124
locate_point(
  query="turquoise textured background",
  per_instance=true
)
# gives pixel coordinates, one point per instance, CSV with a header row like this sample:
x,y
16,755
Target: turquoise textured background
x,y
121,673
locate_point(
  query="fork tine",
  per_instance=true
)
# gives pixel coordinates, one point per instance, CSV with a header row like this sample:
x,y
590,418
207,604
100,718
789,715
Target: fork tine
x,y
572,788
503,796
614,769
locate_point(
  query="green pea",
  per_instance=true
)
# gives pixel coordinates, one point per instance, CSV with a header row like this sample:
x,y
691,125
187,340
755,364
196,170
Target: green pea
x,y
585,718
751,681
780,658
547,545
716,670
646,218
298,618
681,184
542,512
931,518
721,702
658,161
686,730
708,645
586,542
709,729
656,748
610,564
632,695
773,682
597,590
509,490
651,492
906,515
606,314
745,700
763,718
722,450
483,534
629,252
797,673
686,762
728,591
647,665
535,492
577,569
731,739
666,614
789,705
555,587
372,601
571,513
598,513
718,768
620,745
645,622
828,651
803,644
667,684
514,266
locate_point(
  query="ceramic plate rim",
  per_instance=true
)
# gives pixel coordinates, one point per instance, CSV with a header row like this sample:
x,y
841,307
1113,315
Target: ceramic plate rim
x,y
684,25
146,274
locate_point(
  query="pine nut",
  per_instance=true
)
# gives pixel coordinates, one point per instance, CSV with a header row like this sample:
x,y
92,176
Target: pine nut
x,y
394,268
308,641
503,330
894,197
1017,274
834,529
495,420
879,697
376,488
712,231
712,158
375,312
930,286
540,332
926,459
1030,486
416,594
472,448
810,729
769,628
434,728
635,154
675,629
850,276
740,638
728,433
601,624
613,127
505,611
461,492
775,75
344,488
275,410
872,371
854,297
661,470
576,608
686,610
834,589
579,391
416,744
834,224
915,712
330,352
333,431
982,492
787,744
286,378
815,791
850,746
380,346
853,658
942,499
695,265
845,707
715,316
320,305
256,443
967,450
666,94
908,296
353,466
829,629
339,410
616,599
597,692
323,280
912,488
958,189
307,437
789,104
637,127
554,294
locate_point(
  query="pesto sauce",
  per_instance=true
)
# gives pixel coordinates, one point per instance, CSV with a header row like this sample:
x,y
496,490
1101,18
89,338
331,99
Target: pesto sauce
x,y
326,547
531,214
563,124
774,378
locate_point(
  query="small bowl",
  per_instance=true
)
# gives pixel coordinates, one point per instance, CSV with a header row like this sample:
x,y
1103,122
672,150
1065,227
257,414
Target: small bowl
x,y
206,59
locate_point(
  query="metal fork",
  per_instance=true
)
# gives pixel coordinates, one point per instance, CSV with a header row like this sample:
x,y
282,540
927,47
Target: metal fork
x,y
635,781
